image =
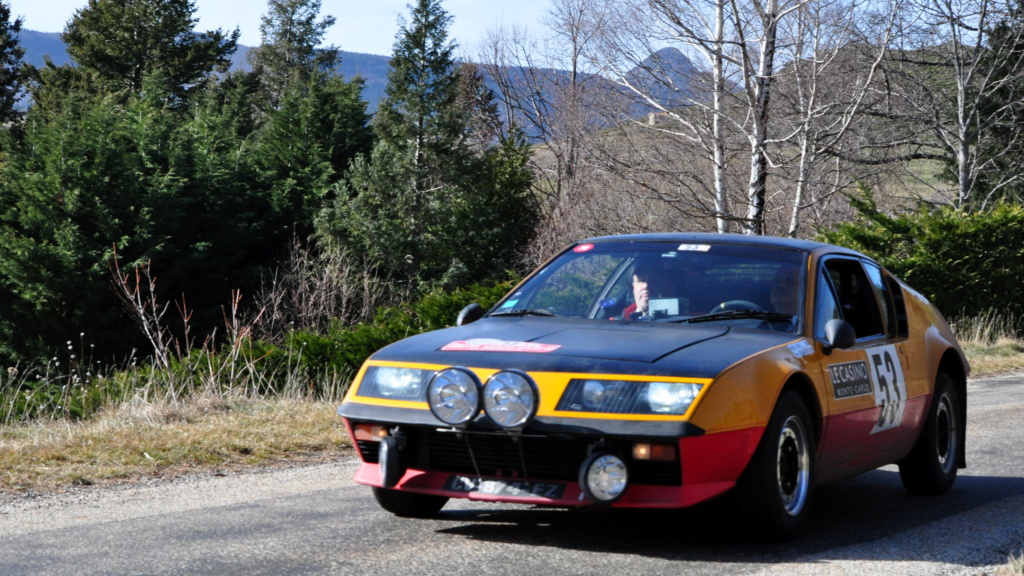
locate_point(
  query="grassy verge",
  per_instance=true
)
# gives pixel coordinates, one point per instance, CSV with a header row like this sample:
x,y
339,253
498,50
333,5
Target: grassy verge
x,y
167,439
991,344
196,422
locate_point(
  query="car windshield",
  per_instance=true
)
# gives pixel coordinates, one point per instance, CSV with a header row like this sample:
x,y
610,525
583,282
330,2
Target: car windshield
x,y
757,286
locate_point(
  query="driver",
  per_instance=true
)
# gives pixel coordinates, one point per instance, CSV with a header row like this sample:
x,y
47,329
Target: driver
x,y
650,280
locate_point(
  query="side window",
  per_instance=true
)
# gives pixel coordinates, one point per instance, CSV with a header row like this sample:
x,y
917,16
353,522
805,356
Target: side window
x,y
899,306
856,296
883,297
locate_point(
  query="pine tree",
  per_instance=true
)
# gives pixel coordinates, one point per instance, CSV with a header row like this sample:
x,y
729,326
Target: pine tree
x,y
11,53
314,122
95,173
290,49
427,204
121,42
306,145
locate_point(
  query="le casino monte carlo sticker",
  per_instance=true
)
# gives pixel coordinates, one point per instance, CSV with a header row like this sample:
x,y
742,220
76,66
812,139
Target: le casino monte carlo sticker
x,y
880,375
494,345
850,379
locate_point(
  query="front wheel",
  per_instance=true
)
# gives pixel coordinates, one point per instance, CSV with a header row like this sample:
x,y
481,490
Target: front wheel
x,y
409,504
931,466
776,487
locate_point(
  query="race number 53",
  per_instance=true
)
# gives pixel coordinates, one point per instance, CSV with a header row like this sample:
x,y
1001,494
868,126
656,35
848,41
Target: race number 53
x,y
890,387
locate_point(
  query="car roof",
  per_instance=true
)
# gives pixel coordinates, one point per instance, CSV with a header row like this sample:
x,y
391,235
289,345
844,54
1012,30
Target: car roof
x,y
735,239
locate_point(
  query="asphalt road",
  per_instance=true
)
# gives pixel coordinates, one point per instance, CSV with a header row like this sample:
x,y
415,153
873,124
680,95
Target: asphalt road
x,y
314,520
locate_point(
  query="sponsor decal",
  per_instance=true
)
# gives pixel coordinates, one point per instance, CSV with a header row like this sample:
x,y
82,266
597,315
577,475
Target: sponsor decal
x,y
512,488
881,376
890,387
694,247
583,248
801,349
850,379
493,345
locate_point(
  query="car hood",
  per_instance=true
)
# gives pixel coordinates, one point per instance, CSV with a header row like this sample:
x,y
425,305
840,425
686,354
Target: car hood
x,y
568,345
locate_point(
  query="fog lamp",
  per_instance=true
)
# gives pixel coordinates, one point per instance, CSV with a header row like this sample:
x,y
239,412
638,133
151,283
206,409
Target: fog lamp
x,y
603,477
510,399
454,396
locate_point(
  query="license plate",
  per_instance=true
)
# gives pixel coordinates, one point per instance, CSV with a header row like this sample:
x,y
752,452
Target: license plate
x,y
503,487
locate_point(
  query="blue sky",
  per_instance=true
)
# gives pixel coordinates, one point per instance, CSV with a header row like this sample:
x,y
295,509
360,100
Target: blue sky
x,y
367,26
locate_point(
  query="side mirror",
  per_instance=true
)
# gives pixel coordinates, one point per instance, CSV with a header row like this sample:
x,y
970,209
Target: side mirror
x,y
469,314
839,334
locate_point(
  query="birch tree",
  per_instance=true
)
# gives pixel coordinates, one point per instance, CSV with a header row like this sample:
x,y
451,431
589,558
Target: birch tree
x,y
544,85
833,63
717,100
947,77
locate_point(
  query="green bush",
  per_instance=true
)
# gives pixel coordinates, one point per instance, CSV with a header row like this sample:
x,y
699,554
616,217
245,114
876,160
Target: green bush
x,y
344,349
306,363
967,264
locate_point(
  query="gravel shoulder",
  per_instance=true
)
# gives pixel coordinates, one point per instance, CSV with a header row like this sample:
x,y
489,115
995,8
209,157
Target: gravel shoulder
x,y
975,540
76,506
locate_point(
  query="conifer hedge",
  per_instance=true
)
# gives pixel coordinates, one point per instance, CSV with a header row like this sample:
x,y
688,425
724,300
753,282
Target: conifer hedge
x,y
967,263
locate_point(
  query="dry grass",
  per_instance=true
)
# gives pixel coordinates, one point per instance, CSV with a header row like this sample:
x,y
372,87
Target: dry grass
x,y
207,427
1005,356
1014,566
991,344
168,439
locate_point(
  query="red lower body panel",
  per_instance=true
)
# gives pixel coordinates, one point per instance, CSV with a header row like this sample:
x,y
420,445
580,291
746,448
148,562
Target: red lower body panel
x,y
711,464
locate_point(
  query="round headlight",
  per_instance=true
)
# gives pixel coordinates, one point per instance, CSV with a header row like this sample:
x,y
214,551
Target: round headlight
x,y
510,399
603,477
593,392
598,394
454,396
671,397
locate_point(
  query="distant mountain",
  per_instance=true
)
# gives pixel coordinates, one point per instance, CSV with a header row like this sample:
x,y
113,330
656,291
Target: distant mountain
x,y
40,44
668,77
372,68
667,63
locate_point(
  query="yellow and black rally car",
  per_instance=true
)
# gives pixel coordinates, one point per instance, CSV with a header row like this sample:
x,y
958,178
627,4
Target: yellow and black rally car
x,y
660,371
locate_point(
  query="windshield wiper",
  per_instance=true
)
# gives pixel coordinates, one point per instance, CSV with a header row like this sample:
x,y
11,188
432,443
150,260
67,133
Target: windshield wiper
x,y
740,315
525,312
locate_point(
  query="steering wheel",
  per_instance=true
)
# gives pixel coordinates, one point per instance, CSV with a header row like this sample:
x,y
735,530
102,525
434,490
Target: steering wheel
x,y
730,305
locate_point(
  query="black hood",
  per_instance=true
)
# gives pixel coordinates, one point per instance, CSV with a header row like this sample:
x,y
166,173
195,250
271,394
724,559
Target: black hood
x,y
586,346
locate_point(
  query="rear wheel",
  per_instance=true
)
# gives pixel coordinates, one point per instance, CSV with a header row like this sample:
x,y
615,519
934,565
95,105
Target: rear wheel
x,y
776,487
931,466
409,504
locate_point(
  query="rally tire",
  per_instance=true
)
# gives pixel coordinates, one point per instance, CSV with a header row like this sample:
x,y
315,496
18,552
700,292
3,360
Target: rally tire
x,y
776,488
409,504
930,468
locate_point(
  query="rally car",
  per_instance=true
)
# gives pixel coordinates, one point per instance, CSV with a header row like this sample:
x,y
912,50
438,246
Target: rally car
x,y
661,371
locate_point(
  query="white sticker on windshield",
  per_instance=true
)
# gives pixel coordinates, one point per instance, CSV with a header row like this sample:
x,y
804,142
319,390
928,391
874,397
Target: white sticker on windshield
x,y
694,247
509,303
